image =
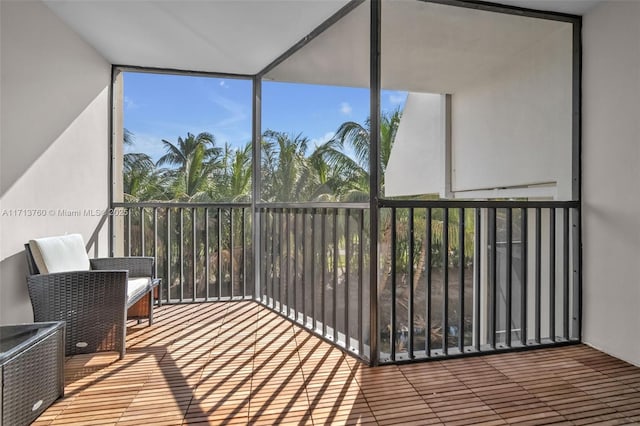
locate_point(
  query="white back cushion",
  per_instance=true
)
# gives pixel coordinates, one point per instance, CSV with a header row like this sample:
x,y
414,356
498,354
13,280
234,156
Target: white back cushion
x,y
60,254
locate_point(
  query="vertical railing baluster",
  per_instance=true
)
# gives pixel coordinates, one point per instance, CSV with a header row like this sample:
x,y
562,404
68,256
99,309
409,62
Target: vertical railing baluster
x,y
428,247
552,274
324,271
509,276
410,314
565,274
276,260
142,245
194,217
231,251
313,254
392,331
293,280
206,253
282,276
493,230
286,238
155,256
271,264
268,250
264,232
284,262
335,274
445,281
361,249
284,283
304,277
461,261
478,276
524,282
219,245
155,243
538,272
290,267
295,264
244,253
280,260
129,211
272,256
288,279
269,253
168,254
347,276
181,254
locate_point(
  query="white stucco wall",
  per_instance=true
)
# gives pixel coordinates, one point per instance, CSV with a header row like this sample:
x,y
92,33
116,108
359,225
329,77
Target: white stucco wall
x,y
611,178
514,127
417,161
53,142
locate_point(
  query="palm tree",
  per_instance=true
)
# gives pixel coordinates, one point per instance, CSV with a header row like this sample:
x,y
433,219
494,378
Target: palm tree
x,y
233,180
356,137
283,165
141,179
338,176
194,159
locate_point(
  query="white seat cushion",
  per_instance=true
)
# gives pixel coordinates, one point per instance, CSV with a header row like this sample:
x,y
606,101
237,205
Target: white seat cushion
x,y
60,254
136,286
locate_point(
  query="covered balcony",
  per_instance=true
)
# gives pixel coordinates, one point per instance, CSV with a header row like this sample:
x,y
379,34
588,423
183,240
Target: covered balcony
x,y
482,204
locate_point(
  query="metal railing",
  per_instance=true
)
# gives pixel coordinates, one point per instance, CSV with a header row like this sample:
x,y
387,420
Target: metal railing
x,y
315,269
454,277
203,252
468,277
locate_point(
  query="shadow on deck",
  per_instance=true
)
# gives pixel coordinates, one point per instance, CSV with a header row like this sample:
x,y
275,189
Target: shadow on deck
x,y
239,363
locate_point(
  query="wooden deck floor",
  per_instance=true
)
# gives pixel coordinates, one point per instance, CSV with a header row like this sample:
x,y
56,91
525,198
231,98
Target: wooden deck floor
x,y
237,363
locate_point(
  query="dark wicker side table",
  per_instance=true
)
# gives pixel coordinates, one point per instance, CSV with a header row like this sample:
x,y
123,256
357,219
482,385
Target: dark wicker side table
x,y
31,369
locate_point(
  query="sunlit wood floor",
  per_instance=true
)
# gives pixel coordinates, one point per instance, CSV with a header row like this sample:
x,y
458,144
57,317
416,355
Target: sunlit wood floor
x,y
238,363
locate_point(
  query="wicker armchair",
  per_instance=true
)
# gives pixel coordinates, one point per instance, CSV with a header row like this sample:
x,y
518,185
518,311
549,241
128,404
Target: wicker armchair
x,y
93,302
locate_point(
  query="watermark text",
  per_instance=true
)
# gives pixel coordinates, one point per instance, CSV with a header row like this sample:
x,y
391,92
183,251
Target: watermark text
x,y
61,212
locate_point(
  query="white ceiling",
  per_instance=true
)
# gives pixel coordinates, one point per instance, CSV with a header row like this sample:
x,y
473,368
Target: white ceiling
x,y
426,47
226,36
573,7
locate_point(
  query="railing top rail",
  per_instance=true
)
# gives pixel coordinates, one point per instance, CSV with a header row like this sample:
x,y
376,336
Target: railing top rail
x,y
171,204
477,204
313,205
363,206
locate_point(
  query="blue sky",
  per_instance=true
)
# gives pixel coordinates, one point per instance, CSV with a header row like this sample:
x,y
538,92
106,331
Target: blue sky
x,y
162,106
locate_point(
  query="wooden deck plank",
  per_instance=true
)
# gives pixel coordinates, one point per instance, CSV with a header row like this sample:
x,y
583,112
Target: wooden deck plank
x,y
238,363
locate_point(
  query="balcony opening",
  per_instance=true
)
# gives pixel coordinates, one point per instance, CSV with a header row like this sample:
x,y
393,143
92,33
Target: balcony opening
x,y
417,204
183,180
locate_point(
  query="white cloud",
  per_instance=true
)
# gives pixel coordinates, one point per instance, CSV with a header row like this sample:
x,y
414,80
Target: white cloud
x,y
237,111
148,144
322,139
345,108
224,84
129,103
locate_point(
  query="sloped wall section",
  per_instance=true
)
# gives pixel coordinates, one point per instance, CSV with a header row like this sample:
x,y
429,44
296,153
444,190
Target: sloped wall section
x,y
55,151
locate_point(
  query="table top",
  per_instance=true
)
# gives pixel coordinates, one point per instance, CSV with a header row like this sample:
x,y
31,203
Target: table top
x,y
16,338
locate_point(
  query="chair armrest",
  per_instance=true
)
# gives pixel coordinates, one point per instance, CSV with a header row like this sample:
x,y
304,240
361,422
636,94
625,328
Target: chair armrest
x,y
92,303
138,266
